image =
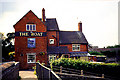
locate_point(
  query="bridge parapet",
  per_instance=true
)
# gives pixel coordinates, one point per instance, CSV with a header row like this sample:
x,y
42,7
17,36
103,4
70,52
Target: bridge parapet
x,y
9,71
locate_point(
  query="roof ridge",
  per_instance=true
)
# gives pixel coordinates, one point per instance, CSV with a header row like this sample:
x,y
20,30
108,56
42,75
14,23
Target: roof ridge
x,y
25,15
69,31
72,37
48,18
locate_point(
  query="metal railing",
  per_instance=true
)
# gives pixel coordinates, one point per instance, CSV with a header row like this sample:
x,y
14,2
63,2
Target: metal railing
x,y
74,72
44,73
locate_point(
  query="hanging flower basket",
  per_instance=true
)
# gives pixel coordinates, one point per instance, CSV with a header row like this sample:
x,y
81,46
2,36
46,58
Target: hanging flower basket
x,y
42,53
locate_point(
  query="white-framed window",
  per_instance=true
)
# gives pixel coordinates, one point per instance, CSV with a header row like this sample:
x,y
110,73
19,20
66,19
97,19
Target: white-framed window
x,y
30,27
31,57
51,41
52,57
75,47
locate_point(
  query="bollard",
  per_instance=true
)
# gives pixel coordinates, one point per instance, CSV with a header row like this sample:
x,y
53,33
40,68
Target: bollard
x,y
60,69
82,72
102,75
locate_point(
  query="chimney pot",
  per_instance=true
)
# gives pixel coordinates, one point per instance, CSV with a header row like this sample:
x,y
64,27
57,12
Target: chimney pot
x,y
43,15
80,26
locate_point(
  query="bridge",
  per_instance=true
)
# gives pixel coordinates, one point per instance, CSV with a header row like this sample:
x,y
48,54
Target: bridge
x,y
10,71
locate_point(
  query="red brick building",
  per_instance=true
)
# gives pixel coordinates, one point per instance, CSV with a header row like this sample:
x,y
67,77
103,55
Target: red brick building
x,y
39,39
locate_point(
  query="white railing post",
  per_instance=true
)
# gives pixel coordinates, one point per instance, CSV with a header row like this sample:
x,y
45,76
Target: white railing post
x,y
82,72
49,74
60,69
102,75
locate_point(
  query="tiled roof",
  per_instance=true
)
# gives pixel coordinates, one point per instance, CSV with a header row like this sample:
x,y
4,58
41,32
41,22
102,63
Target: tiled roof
x,y
25,15
57,50
71,37
74,54
51,24
103,49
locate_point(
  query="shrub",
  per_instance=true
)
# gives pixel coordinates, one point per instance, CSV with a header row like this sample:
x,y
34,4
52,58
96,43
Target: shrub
x,y
95,53
34,70
109,69
109,53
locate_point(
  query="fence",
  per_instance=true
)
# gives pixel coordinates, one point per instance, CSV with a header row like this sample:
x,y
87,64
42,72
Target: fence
x,y
10,71
79,74
44,73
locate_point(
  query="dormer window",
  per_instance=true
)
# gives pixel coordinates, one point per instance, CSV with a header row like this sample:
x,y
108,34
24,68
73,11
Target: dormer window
x,y
30,27
75,47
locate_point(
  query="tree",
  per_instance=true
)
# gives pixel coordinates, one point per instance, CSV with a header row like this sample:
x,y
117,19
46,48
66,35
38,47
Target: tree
x,y
95,53
115,46
7,46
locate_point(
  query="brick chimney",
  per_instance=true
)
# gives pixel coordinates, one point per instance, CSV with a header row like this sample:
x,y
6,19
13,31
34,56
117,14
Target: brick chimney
x,y
80,26
43,15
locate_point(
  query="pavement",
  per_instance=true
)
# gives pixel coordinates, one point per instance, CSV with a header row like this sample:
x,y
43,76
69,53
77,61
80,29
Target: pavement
x,y
27,75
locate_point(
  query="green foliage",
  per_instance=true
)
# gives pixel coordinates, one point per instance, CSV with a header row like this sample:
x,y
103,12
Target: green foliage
x,y
109,53
110,46
7,46
19,78
51,66
115,46
95,53
34,70
110,69
42,53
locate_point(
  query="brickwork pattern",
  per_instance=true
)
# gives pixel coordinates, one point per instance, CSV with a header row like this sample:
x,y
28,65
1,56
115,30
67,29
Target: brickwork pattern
x,y
21,47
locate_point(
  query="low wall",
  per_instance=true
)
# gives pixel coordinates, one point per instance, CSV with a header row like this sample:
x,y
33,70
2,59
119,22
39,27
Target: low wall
x,y
44,73
10,71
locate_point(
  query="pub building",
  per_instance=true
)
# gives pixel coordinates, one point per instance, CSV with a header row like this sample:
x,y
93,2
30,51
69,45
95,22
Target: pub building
x,y
39,39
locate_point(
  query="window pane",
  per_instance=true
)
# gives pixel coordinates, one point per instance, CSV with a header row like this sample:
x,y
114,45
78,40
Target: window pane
x,y
30,27
76,47
34,27
52,57
73,48
31,58
51,41
27,27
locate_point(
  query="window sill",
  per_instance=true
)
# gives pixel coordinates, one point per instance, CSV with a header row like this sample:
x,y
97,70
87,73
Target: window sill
x,y
31,62
75,50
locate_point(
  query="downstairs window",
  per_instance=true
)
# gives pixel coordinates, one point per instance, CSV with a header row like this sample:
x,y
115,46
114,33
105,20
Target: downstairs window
x,y
31,58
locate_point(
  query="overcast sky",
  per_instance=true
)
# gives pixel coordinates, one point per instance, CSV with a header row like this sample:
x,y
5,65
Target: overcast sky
x,y
99,17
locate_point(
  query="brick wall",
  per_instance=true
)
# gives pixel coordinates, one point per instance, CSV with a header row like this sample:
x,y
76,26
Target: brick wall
x,y
21,47
30,17
83,48
50,35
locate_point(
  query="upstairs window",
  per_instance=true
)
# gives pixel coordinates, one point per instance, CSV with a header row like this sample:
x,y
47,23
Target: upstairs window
x,y
30,27
75,47
51,41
